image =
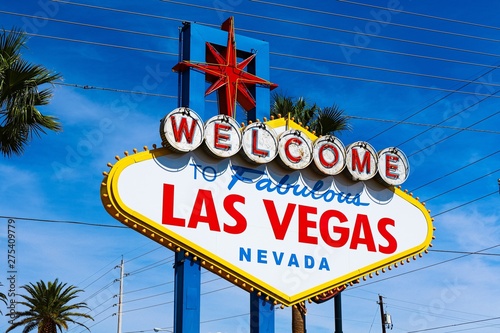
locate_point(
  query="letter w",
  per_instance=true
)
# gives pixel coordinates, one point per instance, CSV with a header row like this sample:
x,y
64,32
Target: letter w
x,y
182,129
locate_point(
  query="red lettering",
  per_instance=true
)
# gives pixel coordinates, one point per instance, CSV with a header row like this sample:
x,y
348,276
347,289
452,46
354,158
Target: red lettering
x,y
241,222
205,200
218,136
255,140
362,225
305,224
182,129
357,164
324,228
291,158
279,227
322,159
390,167
392,244
168,208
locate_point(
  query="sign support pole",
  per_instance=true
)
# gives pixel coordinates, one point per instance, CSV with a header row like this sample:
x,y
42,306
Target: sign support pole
x,y
186,294
261,314
338,313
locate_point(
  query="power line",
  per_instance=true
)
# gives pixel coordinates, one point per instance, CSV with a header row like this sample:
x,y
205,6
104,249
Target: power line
x,y
64,221
465,252
422,15
466,203
374,20
279,54
408,85
89,25
135,92
390,70
454,325
452,135
424,125
460,186
422,268
456,170
309,25
438,100
98,43
270,34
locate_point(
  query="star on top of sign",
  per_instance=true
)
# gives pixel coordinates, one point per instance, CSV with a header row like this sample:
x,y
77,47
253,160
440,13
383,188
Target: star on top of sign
x,y
226,75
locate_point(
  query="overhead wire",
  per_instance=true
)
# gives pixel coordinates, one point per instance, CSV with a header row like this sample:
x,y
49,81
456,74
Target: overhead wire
x,y
323,27
424,124
434,143
421,15
275,53
422,268
456,170
460,186
375,20
64,221
261,32
335,29
88,25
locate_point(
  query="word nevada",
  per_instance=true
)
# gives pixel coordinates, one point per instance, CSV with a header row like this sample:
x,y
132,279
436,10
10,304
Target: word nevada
x,y
182,130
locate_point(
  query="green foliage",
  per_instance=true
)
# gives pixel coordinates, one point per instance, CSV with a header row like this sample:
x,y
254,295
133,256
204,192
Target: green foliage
x,y
21,92
321,121
3,298
48,308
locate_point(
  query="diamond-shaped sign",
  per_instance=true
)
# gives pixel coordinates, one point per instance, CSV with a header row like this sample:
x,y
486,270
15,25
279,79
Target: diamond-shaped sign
x,y
291,234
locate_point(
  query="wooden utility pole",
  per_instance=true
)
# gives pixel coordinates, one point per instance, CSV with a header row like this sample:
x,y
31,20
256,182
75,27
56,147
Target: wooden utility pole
x,y
382,317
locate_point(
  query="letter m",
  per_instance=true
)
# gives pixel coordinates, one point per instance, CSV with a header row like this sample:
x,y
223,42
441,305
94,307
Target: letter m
x,y
359,165
183,129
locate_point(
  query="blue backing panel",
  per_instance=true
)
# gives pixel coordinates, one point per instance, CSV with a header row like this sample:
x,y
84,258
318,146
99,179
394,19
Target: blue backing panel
x,y
186,295
193,83
261,315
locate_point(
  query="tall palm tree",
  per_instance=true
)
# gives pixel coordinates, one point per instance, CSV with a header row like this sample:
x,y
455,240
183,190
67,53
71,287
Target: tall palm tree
x,y
21,94
321,121
48,308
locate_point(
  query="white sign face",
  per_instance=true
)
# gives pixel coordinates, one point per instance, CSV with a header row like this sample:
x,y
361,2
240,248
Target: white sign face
x,y
290,234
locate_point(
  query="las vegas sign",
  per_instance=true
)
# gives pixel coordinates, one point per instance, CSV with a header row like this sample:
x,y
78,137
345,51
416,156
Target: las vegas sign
x,y
269,206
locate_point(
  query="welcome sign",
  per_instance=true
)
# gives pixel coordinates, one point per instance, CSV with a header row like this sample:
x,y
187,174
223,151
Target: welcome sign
x,y
291,234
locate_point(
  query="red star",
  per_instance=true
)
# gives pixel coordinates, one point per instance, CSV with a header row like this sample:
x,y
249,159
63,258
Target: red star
x,y
224,71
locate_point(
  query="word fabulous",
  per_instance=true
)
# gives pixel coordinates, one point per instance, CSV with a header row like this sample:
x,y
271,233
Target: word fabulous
x,y
182,130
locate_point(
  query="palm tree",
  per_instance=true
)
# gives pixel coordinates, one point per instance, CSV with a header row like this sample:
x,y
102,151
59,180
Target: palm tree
x,y
48,308
20,96
3,298
321,121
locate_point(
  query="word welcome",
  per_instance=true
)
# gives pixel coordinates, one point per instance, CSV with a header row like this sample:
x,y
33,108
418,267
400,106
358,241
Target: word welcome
x,y
182,130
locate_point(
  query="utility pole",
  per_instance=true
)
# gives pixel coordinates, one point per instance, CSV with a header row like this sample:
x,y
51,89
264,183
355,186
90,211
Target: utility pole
x,y
382,317
120,296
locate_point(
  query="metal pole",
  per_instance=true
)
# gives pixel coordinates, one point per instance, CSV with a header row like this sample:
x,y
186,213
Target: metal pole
x,y
120,295
381,304
338,313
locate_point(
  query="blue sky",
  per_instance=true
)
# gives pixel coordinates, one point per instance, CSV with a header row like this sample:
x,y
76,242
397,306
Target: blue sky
x,y
423,78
